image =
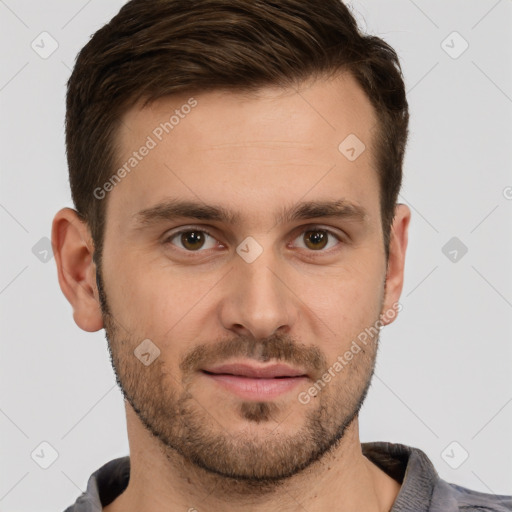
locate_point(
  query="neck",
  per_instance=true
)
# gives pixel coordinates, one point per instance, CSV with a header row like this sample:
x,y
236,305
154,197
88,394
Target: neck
x,y
343,480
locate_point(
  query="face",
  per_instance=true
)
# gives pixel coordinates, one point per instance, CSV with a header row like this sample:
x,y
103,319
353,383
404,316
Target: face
x,y
246,250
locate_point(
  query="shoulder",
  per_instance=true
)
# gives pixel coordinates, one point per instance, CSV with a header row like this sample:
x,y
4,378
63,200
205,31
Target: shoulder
x,y
448,496
103,486
421,487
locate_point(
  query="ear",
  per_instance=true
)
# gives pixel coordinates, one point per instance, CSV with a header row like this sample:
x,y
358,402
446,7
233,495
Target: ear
x,y
73,251
396,261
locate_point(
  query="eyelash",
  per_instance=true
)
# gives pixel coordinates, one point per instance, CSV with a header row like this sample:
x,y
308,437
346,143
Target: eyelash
x,y
331,234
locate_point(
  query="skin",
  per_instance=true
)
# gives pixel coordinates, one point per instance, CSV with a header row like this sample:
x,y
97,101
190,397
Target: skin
x,y
253,154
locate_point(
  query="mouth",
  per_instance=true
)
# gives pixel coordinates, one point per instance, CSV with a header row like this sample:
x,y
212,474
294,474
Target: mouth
x,y
253,382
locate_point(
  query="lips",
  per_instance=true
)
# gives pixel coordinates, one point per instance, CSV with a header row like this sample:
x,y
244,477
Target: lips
x,y
274,371
253,382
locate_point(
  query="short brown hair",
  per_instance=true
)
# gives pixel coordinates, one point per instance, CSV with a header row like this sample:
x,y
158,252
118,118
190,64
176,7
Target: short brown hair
x,y
156,48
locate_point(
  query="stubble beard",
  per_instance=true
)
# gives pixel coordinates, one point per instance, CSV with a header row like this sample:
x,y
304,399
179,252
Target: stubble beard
x,y
242,462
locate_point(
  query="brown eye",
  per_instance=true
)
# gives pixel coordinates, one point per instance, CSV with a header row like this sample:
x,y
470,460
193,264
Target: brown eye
x,y
316,239
192,240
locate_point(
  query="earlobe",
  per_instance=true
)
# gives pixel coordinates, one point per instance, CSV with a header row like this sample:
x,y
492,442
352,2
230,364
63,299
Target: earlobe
x,y
73,250
396,262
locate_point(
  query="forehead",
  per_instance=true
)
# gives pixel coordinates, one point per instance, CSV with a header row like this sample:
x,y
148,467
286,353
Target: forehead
x,y
252,151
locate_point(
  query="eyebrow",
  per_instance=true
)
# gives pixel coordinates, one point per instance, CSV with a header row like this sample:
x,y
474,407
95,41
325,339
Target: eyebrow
x,y
172,209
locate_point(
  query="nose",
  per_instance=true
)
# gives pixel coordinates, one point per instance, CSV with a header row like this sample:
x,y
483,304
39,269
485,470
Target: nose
x,y
258,300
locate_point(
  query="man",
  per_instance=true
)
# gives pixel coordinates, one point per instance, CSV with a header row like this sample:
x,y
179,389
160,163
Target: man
x,y
235,168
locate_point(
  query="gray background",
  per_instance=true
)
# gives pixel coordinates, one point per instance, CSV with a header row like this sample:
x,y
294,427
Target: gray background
x,y
443,374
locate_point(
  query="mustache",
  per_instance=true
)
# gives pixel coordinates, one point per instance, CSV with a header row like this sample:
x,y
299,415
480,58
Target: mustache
x,y
278,347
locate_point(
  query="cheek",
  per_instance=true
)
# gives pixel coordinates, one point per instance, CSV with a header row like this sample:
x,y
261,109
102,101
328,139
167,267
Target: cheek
x,y
153,299
346,300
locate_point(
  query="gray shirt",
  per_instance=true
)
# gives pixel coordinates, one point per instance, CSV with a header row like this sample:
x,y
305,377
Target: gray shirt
x,y
421,488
